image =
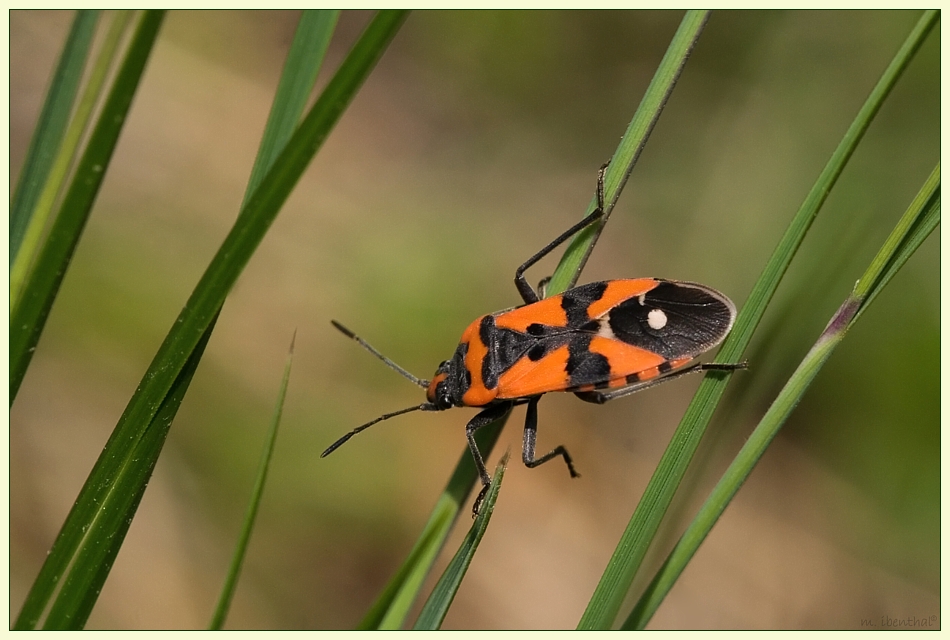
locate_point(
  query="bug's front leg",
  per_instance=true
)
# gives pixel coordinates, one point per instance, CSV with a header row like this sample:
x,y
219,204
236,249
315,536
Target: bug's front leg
x,y
483,419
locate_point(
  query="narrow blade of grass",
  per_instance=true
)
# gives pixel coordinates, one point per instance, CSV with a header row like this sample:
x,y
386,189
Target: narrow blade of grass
x,y
66,156
234,571
29,318
51,126
619,574
392,607
128,457
912,229
101,535
434,610
304,60
915,225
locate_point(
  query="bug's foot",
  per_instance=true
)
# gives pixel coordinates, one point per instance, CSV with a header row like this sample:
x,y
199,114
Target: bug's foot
x,y
479,500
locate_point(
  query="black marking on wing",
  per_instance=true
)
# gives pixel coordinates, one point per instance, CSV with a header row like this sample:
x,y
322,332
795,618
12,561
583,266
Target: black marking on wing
x,y
583,365
575,302
696,320
510,345
488,334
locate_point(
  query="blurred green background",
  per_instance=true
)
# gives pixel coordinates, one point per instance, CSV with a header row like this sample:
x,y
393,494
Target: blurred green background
x,y
475,141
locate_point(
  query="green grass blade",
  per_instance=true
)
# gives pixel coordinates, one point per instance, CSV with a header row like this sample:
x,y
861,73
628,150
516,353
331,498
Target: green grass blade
x,y
435,608
631,145
392,607
131,442
903,242
296,82
608,597
234,571
48,134
68,151
917,222
91,536
29,318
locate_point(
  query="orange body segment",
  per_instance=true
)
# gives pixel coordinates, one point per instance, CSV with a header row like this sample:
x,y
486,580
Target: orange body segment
x,y
625,359
547,311
527,378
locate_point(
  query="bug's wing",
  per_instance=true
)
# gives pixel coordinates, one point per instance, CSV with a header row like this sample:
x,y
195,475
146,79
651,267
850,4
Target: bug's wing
x,y
630,333
675,320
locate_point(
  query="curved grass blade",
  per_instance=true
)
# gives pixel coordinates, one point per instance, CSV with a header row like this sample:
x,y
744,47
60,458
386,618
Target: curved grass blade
x,y
234,571
434,610
920,219
392,607
48,134
608,597
130,444
66,156
29,318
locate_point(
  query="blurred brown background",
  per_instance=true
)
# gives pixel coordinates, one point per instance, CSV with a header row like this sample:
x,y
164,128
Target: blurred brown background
x,y
473,143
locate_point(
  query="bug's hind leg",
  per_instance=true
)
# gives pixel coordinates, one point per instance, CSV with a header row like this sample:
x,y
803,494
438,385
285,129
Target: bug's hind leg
x,y
527,293
530,437
483,419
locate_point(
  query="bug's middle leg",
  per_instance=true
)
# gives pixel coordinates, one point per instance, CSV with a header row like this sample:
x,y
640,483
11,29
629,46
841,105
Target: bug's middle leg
x,y
530,437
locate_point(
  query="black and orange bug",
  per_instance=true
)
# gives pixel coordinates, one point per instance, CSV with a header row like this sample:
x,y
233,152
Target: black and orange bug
x,y
600,341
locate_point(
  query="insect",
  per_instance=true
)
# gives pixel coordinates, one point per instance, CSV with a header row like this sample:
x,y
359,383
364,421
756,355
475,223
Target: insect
x,y
600,341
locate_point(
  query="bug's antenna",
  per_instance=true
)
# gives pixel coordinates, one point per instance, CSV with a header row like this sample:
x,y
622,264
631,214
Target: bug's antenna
x,y
389,363
386,416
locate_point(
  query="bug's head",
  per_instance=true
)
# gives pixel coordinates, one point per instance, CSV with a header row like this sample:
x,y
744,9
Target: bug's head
x,y
450,381
439,392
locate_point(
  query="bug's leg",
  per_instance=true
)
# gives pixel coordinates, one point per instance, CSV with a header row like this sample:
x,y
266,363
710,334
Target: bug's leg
x,y
527,293
600,397
483,419
524,288
530,437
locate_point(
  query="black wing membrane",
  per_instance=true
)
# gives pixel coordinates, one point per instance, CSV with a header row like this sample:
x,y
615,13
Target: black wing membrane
x,y
696,319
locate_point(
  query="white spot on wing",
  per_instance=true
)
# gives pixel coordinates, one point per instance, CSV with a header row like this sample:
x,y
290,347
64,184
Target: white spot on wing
x,y
605,331
656,319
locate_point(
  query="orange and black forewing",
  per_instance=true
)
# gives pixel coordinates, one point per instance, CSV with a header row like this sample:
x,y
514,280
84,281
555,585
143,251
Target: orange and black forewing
x,y
599,335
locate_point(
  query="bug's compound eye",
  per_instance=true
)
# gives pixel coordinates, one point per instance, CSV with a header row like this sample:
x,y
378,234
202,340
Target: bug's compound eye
x,y
439,392
442,396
